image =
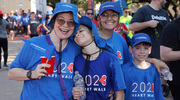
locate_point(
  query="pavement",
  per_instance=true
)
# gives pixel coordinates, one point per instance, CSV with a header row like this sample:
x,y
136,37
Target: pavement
x,y
11,89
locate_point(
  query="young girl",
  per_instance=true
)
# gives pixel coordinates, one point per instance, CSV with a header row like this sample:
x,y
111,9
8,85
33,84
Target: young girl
x,y
99,68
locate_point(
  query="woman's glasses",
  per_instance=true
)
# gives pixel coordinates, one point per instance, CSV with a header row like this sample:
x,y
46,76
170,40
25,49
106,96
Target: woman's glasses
x,y
62,22
113,16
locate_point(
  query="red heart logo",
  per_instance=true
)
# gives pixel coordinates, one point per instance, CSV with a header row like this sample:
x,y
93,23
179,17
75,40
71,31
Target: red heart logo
x,y
119,54
103,80
152,87
70,67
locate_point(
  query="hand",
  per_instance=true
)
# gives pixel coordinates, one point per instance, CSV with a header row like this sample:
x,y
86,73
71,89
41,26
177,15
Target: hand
x,y
48,31
158,64
153,23
77,92
40,71
111,94
29,32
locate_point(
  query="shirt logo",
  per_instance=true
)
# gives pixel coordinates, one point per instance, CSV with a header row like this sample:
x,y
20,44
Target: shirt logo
x,y
103,80
70,67
119,54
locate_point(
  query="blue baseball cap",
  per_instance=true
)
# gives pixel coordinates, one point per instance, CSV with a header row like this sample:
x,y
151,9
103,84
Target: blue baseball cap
x,y
86,21
66,7
140,37
109,5
49,12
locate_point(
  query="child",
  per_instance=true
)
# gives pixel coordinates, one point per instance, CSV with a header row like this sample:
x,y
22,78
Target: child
x,y
141,77
99,68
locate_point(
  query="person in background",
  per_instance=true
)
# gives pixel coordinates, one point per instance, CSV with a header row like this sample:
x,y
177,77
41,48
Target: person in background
x,y
4,25
18,24
32,25
126,19
29,13
90,14
45,28
170,52
24,23
11,21
123,30
108,72
27,65
151,19
142,80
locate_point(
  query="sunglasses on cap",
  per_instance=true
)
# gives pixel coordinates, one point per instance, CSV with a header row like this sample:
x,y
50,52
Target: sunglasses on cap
x,y
62,22
89,13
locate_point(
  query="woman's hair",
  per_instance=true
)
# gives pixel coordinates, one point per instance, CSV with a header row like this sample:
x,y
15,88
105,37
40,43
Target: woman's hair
x,y
1,17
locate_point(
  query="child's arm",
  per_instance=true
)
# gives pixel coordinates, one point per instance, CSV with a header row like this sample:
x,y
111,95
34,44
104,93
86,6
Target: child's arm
x,y
119,95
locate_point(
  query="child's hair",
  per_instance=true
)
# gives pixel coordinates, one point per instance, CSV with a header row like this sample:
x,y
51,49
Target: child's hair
x,y
144,43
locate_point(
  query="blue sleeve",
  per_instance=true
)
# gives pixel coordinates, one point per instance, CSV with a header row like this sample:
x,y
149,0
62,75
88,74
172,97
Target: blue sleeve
x,y
126,53
158,88
22,59
44,21
138,16
117,75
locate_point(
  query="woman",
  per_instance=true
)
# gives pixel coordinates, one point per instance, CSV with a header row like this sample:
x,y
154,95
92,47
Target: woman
x,y
109,19
3,39
27,66
45,28
100,68
114,42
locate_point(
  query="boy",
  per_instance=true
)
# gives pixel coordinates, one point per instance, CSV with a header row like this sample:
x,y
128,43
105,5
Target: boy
x,y
142,79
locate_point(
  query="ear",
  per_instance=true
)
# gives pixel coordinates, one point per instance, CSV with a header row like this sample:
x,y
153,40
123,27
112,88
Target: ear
x,y
98,18
150,49
92,33
130,49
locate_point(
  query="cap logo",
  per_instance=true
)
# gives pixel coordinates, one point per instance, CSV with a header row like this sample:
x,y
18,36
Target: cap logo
x,y
67,6
140,38
108,6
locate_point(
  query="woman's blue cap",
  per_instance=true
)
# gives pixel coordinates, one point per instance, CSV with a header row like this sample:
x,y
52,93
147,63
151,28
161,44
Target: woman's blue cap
x,y
49,12
109,5
66,7
86,21
140,37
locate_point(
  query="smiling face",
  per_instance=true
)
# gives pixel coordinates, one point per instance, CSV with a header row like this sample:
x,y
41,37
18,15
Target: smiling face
x,y
83,36
109,19
64,25
140,51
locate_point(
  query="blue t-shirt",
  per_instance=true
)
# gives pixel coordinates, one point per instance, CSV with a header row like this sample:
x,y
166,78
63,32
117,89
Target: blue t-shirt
x,y
44,22
142,84
24,20
104,73
3,31
48,87
18,19
118,46
147,13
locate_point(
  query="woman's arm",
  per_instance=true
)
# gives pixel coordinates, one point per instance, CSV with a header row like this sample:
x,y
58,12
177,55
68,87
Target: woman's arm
x,y
157,63
20,74
119,95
